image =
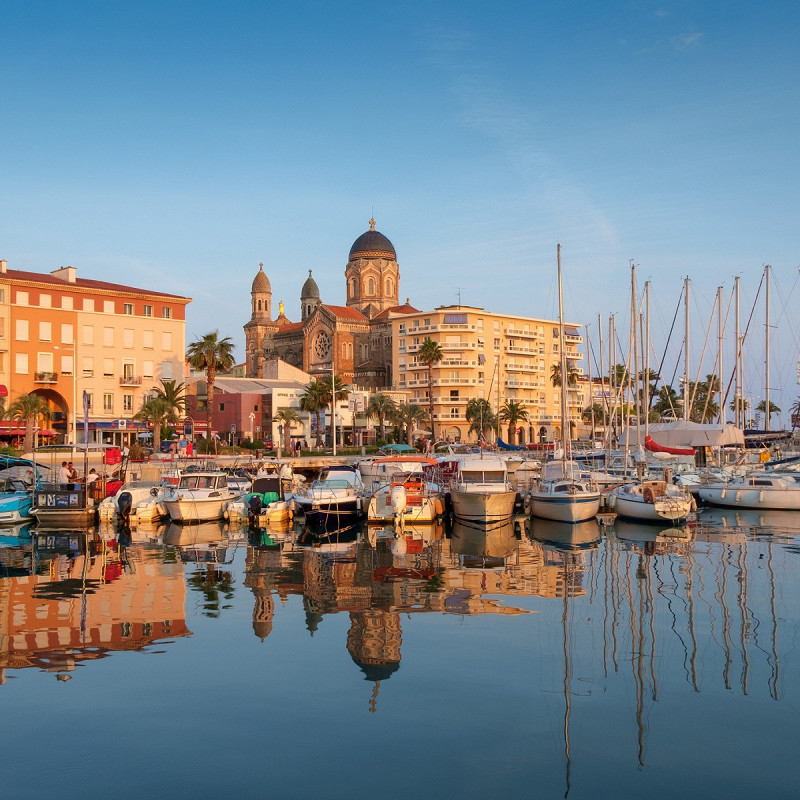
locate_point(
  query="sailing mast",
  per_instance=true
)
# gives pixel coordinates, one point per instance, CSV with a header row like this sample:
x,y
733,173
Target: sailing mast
x,y
767,415
686,392
565,438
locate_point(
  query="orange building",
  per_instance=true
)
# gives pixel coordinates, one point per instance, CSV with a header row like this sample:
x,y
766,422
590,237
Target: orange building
x,y
62,336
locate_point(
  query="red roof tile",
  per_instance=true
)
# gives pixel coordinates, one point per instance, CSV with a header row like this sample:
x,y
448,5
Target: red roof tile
x,y
404,309
345,312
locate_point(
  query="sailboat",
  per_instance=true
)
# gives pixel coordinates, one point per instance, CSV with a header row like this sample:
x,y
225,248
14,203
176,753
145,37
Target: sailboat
x,y
561,493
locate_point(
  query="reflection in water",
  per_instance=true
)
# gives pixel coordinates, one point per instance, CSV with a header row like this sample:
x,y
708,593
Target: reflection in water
x,y
622,612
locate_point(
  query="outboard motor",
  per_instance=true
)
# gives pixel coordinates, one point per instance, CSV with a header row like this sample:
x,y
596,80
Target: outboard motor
x,y
124,508
254,506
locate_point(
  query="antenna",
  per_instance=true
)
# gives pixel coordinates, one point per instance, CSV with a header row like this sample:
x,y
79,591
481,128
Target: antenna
x,y
458,295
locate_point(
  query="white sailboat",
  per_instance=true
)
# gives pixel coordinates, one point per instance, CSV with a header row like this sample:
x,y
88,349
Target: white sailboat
x,y
565,498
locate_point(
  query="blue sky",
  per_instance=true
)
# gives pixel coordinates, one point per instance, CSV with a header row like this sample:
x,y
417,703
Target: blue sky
x,y
176,145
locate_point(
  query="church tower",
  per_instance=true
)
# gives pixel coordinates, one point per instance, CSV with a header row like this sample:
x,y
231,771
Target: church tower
x,y
309,298
372,273
260,319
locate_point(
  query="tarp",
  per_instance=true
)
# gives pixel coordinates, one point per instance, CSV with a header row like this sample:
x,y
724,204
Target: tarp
x,y
505,446
684,433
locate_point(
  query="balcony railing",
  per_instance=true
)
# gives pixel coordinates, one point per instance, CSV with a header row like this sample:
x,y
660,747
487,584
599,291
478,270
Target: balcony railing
x,y
45,377
130,380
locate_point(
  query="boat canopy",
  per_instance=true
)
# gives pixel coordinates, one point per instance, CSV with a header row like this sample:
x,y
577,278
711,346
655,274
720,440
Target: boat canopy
x,y
685,433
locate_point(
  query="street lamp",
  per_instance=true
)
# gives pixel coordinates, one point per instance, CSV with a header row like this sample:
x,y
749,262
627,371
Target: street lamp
x,y
252,417
74,350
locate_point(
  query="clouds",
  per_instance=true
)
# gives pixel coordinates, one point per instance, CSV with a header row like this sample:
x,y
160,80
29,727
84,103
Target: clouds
x,y
686,40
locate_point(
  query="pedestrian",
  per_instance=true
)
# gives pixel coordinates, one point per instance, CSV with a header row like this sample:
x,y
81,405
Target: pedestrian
x,y
63,473
92,476
72,473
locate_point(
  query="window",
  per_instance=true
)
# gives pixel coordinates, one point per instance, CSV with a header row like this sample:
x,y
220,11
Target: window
x,y
426,323
44,362
454,393
127,308
166,340
166,312
2,327
388,287
66,303
147,369
88,367
67,333
166,370
128,368
108,306
88,304
45,301
496,344
67,365
21,330
222,406
2,295
21,363
22,298
454,413
88,334
89,400
108,367
127,337
415,323
127,402
555,332
148,311
147,340
401,328
371,286
108,337
108,402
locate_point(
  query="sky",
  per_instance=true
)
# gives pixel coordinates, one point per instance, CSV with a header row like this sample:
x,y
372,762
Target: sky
x,y
177,145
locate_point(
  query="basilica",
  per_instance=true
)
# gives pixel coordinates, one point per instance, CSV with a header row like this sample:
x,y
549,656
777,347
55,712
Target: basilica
x,y
354,339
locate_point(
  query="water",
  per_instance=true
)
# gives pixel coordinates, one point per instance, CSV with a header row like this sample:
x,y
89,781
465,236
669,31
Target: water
x,y
532,660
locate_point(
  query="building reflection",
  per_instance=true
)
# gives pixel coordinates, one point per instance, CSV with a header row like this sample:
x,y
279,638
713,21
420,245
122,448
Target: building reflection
x,y
73,597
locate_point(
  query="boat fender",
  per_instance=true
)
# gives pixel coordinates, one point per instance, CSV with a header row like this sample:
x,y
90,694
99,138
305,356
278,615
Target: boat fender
x,y
738,496
723,494
647,494
761,496
527,504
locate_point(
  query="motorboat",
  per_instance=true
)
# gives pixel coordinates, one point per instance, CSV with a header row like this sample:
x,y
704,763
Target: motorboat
x,y
411,491
651,501
199,496
17,479
124,505
481,490
63,505
335,499
264,504
760,490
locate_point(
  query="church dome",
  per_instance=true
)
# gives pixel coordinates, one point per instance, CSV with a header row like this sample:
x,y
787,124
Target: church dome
x,y
310,289
261,281
372,242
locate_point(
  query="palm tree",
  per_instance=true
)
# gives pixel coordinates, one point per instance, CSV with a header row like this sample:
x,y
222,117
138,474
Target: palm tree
x,y
313,400
592,414
430,353
773,409
29,408
572,374
287,417
381,406
156,411
407,416
328,387
211,354
480,416
511,413
175,394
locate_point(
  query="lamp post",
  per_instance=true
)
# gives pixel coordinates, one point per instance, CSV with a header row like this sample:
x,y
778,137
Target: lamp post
x,y
333,403
74,350
252,417
280,440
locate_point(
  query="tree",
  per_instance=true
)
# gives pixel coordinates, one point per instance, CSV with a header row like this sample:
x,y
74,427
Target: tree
x,y
480,416
430,353
287,417
313,400
29,408
408,416
665,402
211,354
704,408
381,406
156,411
773,409
593,414
572,374
175,395
511,413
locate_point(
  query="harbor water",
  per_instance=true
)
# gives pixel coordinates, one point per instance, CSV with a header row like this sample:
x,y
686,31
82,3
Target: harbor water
x,y
529,659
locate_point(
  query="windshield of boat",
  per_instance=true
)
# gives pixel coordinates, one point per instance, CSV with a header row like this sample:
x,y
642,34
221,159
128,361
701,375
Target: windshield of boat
x,y
332,484
202,482
483,476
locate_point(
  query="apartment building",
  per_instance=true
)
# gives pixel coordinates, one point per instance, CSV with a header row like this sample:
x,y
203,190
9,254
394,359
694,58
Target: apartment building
x,y
496,357
62,336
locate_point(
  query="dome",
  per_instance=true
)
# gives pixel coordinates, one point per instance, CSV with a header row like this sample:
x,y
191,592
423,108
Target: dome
x,y
372,241
310,288
261,281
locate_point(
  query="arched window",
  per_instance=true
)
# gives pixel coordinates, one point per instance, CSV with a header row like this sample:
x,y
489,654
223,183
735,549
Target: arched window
x,y
389,287
371,287
259,305
353,287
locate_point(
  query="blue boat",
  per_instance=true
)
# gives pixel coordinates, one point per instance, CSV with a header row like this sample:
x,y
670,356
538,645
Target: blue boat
x,y
18,479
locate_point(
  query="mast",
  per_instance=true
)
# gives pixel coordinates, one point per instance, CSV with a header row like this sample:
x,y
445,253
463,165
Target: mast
x,y
646,349
563,354
686,392
720,339
591,382
737,391
634,344
767,415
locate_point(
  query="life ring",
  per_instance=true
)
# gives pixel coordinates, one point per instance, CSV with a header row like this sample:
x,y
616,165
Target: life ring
x,y
647,494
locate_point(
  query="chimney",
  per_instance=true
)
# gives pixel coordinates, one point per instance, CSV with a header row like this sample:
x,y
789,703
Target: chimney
x,y
3,266
67,274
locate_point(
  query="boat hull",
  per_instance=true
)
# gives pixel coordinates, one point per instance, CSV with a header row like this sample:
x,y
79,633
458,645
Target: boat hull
x,y
478,506
565,507
196,510
65,518
663,509
766,498
325,514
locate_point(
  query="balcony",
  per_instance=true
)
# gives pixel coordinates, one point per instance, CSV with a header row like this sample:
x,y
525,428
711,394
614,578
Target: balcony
x,y
45,377
529,334
130,380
